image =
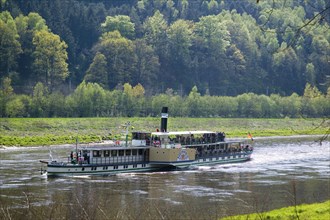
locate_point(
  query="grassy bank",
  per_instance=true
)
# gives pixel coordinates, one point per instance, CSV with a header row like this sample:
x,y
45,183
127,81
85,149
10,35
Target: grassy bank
x,y
47,131
316,211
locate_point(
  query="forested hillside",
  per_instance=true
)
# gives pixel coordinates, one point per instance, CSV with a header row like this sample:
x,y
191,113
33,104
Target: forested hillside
x,y
223,47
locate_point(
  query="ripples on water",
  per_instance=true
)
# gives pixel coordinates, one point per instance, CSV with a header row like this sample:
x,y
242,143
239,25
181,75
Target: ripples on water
x,y
264,183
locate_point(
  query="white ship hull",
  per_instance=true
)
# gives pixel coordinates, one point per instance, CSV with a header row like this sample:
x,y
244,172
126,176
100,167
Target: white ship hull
x,y
64,169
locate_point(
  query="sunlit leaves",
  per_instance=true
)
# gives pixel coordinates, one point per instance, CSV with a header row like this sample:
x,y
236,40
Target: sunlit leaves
x,y
97,71
180,37
120,57
155,31
50,58
121,23
10,47
147,65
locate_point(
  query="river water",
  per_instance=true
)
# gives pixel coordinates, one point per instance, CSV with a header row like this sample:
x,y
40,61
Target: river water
x,y
282,172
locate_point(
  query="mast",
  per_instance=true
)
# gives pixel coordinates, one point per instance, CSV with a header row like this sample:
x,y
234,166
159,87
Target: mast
x,y
127,125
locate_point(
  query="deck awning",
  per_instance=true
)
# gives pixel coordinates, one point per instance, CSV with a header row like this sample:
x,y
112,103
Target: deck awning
x,y
181,133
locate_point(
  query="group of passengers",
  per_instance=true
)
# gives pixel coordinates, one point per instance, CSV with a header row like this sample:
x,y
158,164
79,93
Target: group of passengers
x,y
79,157
211,150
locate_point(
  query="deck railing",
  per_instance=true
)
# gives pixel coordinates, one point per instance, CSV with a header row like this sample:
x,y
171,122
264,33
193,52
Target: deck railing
x,y
117,160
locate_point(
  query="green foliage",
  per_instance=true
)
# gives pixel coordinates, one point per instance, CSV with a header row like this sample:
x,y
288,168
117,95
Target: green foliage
x,y
6,93
223,47
147,65
97,71
304,212
89,99
92,100
121,23
119,53
18,106
50,58
155,32
10,47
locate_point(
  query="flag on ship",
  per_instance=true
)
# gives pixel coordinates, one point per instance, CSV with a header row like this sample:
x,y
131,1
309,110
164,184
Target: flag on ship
x,y
250,136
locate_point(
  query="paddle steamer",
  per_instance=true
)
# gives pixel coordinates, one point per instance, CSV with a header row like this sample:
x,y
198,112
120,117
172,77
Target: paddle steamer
x,y
152,151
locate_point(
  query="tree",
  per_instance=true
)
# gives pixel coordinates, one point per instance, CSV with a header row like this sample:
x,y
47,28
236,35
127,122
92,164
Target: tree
x,y
317,12
183,8
56,105
39,103
213,6
10,47
121,59
97,71
211,42
121,23
312,101
6,93
311,92
50,58
147,65
155,33
192,104
310,74
138,91
180,36
286,68
88,99
26,28
18,106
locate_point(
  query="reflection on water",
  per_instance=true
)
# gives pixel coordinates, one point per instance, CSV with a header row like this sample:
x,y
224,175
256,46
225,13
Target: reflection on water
x,y
278,169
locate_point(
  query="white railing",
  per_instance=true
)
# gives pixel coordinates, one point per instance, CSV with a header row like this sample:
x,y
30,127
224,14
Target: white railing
x,y
119,159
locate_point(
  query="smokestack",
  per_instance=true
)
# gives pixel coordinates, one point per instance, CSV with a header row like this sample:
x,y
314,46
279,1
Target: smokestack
x,y
164,116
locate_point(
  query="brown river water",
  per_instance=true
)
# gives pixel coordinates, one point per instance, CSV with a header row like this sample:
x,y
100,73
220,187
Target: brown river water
x,y
282,172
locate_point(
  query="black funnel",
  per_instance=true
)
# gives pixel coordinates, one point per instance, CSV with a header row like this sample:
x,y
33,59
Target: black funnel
x,y
164,116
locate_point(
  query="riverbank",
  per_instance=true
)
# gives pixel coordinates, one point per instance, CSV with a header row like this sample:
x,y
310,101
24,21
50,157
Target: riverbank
x,y
301,212
56,131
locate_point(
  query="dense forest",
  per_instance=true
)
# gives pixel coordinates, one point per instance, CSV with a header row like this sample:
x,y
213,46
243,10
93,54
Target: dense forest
x,y
221,51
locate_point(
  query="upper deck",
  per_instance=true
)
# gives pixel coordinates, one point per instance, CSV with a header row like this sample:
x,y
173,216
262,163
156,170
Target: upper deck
x,y
182,133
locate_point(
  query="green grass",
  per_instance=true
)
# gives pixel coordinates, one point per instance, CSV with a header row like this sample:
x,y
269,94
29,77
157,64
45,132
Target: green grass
x,y
316,211
49,131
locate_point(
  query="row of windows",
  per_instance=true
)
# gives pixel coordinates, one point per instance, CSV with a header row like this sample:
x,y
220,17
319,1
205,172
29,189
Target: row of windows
x,y
115,153
114,167
223,158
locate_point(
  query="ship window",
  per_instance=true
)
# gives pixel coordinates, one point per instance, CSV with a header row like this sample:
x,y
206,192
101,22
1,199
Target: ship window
x,y
96,153
106,153
114,153
128,153
134,152
121,152
134,165
140,152
82,169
